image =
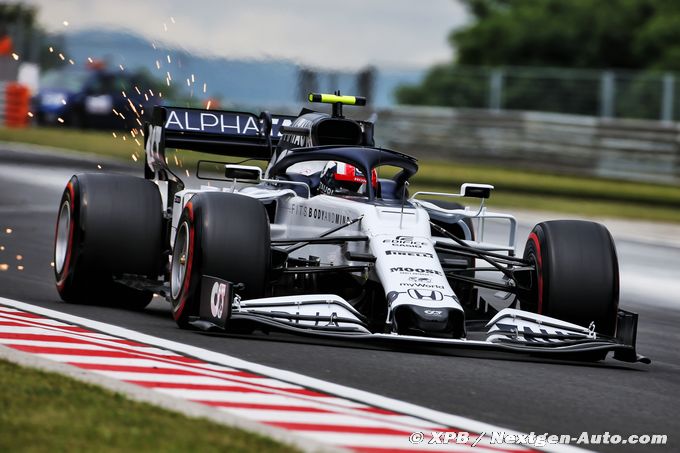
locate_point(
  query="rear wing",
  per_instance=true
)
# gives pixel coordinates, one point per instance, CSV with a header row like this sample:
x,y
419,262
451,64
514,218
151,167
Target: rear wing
x,y
227,133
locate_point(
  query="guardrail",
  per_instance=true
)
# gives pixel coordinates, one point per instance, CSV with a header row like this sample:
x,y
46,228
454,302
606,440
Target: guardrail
x,y
621,148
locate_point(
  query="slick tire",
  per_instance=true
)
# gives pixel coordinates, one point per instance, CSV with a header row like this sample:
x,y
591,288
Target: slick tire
x,y
108,225
577,274
220,235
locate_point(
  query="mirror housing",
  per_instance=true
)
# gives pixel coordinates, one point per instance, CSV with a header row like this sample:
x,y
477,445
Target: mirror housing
x,y
243,172
473,190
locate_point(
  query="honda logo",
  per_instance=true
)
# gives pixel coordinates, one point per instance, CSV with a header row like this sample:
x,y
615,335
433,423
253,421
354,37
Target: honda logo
x,y
422,294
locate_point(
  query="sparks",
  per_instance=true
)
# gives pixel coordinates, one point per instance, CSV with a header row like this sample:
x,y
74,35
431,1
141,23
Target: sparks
x,y
121,67
114,135
134,158
61,55
165,26
65,23
187,173
188,82
207,107
51,263
205,87
169,60
90,60
20,267
172,19
19,257
61,120
51,49
169,77
138,144
63,101
15,56
8,230
192,78
137,90
4,267
158,64
99,166
70,61
30,114
123,93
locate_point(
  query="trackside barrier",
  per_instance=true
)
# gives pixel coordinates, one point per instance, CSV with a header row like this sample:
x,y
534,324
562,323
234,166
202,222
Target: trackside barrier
x,y
581,145
17,103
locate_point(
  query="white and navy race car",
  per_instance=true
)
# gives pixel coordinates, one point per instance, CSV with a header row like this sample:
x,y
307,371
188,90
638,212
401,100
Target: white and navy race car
x,y
325,239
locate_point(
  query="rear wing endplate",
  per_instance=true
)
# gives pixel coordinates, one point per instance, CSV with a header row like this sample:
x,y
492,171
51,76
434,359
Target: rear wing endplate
x,y
239,134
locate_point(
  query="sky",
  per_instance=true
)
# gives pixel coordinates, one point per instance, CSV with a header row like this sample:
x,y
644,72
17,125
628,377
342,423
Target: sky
x,y
346,34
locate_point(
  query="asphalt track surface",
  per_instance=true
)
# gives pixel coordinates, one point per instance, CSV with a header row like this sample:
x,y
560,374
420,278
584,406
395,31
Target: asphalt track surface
x,y
552,397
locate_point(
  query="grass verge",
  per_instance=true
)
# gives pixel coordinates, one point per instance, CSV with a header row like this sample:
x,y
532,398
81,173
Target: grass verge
x,y
49,412
514,188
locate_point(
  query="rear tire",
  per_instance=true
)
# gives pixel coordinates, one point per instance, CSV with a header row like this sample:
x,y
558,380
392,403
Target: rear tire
x,y
108,225
577,274
221,235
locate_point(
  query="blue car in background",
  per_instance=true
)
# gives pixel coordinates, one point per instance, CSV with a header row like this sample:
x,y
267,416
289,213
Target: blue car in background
x,y
94,98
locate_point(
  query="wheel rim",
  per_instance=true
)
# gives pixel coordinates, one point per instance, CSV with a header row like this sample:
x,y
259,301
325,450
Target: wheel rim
x,y
180,260
61,244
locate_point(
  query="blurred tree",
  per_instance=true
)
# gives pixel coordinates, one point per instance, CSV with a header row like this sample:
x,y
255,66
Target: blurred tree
x,y
18,22
595,34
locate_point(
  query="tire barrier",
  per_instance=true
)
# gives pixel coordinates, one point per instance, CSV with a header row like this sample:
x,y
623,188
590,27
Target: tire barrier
x,y
17,104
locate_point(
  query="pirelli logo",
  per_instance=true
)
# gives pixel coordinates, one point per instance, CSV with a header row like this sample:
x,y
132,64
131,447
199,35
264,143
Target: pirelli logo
x,y
409,253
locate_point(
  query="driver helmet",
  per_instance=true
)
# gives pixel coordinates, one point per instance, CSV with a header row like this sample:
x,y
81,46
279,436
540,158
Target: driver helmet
x,y
339,178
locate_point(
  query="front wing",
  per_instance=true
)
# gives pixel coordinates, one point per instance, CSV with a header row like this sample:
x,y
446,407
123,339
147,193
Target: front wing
x,y
329,318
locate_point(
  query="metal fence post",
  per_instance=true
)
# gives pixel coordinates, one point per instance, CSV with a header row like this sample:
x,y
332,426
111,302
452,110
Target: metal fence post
x,y
496,90
667,96
607,92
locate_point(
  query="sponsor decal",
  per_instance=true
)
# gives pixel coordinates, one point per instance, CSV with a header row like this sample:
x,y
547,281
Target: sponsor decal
x,y
422,294
319,214
301,141
409,253
217,299
433,312
404,241
422,285
232,123
415,270
420,279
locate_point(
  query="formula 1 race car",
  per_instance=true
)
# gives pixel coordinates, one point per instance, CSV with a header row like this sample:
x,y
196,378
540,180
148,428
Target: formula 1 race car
x,y
326,241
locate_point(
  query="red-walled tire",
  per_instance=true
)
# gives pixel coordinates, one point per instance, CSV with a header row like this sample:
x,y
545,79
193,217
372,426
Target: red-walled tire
x,y
108,225
222,235
577,274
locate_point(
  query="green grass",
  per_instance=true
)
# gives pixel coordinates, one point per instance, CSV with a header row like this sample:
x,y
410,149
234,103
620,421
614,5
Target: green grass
x,y
514,188
47,412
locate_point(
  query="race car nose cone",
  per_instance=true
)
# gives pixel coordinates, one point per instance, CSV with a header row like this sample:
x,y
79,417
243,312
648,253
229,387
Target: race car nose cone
x,y
417,320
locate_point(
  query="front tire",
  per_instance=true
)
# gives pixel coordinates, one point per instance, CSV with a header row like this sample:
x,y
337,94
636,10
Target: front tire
x,y
220,235
577,274
107,225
